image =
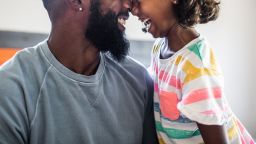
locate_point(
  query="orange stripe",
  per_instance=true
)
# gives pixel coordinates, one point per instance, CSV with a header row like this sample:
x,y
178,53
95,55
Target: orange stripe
x,y
168,104
7,53
203,94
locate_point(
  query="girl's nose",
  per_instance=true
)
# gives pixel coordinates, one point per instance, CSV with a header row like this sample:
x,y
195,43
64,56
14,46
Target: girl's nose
x,y
134,8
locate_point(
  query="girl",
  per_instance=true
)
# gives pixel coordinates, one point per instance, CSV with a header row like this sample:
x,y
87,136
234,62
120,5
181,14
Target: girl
x,y
189,103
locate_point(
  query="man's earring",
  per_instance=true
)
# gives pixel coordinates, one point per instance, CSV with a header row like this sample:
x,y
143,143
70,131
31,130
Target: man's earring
x,y
80,9
175,2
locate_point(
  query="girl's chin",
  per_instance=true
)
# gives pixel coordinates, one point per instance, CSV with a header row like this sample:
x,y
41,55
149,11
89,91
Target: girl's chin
x,y
154,34
153,31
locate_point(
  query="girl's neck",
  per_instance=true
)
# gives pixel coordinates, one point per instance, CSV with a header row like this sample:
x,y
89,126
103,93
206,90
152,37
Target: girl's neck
x,y
179,36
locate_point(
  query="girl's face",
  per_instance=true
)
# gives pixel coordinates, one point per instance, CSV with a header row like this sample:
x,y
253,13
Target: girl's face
x,y
158,14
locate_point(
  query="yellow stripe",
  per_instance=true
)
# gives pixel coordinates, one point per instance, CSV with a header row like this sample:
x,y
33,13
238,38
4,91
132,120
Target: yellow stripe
x,y
213,60
178,60
161,141
156,48
232,132
193,72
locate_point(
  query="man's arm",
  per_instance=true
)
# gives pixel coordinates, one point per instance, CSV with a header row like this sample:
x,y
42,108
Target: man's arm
x,y
213,134
149,130
13,113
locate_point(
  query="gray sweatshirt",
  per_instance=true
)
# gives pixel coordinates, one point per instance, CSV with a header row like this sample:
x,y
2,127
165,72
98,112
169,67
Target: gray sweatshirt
x,y
43,102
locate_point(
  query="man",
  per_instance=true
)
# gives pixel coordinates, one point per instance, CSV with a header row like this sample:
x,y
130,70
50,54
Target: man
x,y
78,86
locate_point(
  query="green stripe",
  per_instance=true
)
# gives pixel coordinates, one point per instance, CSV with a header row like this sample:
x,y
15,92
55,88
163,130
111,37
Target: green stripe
x,y
176,133
197,49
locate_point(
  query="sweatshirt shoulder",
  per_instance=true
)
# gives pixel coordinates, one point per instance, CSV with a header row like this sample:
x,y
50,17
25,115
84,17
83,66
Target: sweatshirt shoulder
x,y
26,61
128,64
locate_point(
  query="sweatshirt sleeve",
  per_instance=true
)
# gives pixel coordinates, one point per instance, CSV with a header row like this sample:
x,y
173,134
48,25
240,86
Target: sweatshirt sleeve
x,y
149,130
14,123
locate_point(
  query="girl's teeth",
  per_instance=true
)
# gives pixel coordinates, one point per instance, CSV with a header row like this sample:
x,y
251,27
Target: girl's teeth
x,y
146,22
146,25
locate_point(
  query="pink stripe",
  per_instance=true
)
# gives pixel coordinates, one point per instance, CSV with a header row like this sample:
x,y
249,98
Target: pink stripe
x,y
162,75
212,112
215,111
242,139
209,112
240,126
173,81
156,87
202,94
244,132
242,129
155,67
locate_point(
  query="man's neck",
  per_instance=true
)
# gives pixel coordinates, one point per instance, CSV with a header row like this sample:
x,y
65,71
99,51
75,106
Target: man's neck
x,y
74,51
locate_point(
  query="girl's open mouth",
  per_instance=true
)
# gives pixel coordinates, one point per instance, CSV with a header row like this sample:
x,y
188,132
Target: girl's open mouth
x,y
146,25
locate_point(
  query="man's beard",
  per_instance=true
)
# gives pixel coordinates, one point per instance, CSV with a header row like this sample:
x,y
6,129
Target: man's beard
x,y
104,33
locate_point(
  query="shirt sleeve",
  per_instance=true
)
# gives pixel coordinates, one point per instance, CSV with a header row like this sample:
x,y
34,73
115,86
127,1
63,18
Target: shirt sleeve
x,y
13,113
202,93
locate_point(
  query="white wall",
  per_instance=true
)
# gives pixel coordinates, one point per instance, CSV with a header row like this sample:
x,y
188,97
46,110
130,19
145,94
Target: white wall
x,y
233,36
23,15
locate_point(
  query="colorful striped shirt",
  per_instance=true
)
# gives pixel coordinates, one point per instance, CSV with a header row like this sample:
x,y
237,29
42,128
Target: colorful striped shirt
x,y
189,89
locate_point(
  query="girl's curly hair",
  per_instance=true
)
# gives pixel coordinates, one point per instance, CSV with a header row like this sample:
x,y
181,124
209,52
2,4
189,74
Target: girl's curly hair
x,y
191,12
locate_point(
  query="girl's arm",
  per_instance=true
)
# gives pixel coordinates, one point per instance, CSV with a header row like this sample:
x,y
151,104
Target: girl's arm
x,y
213,134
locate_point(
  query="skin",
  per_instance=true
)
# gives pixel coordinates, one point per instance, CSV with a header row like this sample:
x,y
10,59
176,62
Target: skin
x,y
67,41
164,24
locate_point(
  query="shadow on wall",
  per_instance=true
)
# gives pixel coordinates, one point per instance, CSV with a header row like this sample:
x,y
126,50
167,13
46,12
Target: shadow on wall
x,y
140,50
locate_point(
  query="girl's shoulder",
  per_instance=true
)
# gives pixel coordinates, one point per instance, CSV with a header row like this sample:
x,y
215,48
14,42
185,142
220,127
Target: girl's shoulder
x,y
198,52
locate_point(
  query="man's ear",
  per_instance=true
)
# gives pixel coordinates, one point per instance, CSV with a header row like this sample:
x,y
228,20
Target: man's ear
x,y
76,5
